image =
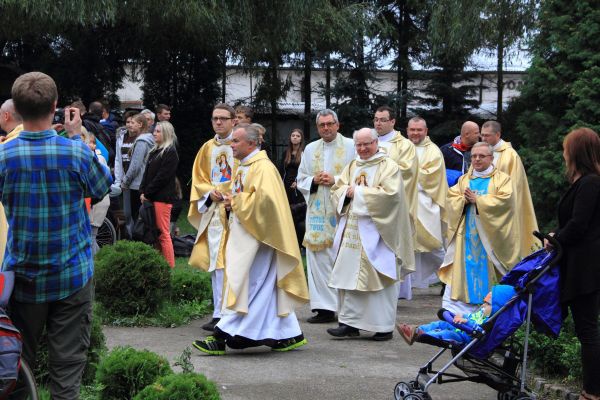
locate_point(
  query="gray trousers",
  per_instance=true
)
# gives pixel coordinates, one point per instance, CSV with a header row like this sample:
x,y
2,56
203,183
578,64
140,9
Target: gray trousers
x,y
68,324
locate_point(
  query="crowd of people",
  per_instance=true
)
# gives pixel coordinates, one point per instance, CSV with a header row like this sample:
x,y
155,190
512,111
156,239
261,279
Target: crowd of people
x,y
376,214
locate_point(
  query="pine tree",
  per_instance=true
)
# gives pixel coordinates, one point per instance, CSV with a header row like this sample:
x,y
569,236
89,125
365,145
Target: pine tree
x,y
561,92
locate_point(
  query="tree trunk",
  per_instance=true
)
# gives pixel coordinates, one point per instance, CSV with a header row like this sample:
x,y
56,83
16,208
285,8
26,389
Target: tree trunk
x,y
405,62
307,92
328,82
224,75
500,77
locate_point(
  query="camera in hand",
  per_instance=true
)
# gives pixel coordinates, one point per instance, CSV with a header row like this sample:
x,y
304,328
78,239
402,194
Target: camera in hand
x,y
59,116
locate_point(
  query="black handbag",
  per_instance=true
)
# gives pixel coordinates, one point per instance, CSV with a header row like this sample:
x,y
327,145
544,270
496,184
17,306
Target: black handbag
x,y
144,229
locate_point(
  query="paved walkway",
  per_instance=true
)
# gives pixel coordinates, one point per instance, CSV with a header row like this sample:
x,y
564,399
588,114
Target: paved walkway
x,y
326,368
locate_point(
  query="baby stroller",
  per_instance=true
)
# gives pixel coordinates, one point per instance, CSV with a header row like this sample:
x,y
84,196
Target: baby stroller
x,y
493,356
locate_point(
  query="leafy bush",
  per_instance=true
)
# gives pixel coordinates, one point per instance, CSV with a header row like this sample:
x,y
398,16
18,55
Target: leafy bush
x,y
180,386
131,278
126,371
96,350
556,357
190,284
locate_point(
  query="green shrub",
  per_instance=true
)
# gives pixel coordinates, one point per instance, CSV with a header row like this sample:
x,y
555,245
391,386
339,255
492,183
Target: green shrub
x,y
126,371
131,278
96,350
180,386
559,357
190,284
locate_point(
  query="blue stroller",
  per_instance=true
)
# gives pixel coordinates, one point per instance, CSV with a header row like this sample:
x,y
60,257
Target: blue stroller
x,y
493,356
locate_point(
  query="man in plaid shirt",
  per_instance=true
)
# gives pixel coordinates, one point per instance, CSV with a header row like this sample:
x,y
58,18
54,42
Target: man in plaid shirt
x,y
43,181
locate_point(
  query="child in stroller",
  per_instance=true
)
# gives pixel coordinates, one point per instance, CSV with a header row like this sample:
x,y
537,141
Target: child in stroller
x,y
443,330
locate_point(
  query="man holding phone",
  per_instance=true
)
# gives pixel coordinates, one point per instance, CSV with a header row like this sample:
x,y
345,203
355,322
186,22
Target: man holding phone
x,y
43,181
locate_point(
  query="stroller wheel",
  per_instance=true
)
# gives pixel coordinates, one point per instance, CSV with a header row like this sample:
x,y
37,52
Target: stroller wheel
x,y
402,390
414,396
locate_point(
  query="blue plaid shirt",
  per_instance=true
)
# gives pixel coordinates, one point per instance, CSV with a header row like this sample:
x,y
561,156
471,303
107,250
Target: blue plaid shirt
x,y
43,181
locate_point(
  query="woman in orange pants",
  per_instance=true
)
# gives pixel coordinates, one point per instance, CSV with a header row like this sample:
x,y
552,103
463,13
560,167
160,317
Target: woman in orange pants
x,y
158,184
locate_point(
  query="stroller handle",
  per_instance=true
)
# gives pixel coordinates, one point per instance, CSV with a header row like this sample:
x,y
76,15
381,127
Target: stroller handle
x,y
553,242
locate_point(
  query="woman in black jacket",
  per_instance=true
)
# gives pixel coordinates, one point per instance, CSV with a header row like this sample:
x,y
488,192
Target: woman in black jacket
x,y
579,235
289,171
158,184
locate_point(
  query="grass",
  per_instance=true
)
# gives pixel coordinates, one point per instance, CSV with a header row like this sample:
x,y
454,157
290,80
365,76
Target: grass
x,y
169,315
185,228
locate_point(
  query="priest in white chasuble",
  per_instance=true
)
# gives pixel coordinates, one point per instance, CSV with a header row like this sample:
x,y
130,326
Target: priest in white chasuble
x,y
483,241
264,277
403,152
374,241
431,219
323,160
508,161
211,178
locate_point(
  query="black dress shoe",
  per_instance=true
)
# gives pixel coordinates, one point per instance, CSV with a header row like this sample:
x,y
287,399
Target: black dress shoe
x,y
343,331
322,317
382,336
210,326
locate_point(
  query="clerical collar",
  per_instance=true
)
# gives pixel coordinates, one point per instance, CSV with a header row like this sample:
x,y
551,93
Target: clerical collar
x,y
332,143
226,140
380,154
387,137
249,156
483,173
497,145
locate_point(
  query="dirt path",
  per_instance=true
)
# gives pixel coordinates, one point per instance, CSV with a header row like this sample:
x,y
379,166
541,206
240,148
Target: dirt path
x,y
326,368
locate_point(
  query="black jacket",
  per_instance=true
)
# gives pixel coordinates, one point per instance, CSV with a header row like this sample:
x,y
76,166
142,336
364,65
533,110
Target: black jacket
x,y
456,159
158,183
579,234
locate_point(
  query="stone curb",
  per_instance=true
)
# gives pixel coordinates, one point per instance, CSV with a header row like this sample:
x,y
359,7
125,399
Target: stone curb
x,y
544,386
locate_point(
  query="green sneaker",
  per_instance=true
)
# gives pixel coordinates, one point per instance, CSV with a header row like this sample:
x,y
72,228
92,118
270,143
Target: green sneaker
x,y
290,344
211,345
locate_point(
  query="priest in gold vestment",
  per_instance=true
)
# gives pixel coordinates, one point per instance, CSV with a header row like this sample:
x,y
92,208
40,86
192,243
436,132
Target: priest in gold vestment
x,y
431,219
403,152
508,161
211,178
264,277
483,242
374,241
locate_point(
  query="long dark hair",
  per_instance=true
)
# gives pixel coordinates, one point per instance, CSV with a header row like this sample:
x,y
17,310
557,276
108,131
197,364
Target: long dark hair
x,y
287,159
582,151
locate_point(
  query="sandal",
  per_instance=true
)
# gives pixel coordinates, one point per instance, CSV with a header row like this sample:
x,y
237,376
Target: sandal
x,y
408,333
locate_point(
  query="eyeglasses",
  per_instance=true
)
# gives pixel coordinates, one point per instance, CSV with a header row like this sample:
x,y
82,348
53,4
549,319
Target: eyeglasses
x,y
477,156
359,145
382,120
326,124
222,119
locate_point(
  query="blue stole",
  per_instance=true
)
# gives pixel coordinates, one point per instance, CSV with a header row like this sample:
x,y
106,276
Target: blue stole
x,y
476,259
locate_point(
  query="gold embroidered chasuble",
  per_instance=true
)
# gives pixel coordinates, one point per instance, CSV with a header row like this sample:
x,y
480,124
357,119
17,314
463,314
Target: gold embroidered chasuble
x,y
403,152
212,170
508,161
260,215
321,220
432,181
382,193
496,227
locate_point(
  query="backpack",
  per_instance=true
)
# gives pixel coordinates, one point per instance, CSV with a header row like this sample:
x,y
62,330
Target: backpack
x,y
11,342
144,228
182,245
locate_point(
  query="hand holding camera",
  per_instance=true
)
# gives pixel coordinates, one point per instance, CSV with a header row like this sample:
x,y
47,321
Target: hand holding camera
x,y
72,121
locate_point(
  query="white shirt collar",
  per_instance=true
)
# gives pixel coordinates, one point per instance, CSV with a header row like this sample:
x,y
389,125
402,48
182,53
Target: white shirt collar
x,y
249,156
497,145
225,140
387,137
483,173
